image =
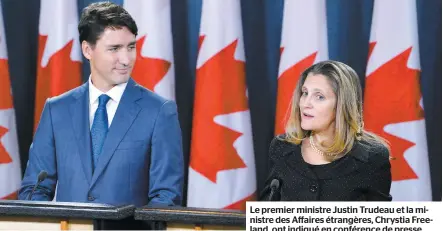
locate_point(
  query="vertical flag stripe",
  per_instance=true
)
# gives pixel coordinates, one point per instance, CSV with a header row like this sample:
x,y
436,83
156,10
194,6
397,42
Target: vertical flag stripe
x,y
10,170
222,161
303,43
59,54
392,104
154,67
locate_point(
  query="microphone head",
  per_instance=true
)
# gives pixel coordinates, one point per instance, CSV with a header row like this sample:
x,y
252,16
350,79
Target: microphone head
x,y
42,175
275,183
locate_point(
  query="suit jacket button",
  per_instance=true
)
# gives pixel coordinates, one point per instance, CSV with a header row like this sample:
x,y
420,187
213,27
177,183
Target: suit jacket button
x,y
91,198
313,188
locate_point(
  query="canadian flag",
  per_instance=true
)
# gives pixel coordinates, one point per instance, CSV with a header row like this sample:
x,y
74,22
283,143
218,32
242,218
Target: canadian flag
x,y
10,171
304,42
154,67
59,52
392,105
222,165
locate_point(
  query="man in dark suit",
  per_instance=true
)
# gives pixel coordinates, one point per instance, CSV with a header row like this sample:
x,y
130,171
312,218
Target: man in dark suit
x,y
110,140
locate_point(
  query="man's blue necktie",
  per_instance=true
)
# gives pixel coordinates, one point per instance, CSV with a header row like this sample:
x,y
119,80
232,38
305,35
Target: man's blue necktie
x,y
99,128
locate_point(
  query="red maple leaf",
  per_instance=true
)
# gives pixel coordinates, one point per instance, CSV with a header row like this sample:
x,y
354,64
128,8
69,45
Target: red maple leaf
x,y
286,86
5,86
220,89
5,103
148,71
241,204
4,156
12,196
60,75
393,96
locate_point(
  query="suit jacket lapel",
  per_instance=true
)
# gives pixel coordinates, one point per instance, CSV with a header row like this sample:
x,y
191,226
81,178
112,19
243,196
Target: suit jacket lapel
x,y
79,111
124,117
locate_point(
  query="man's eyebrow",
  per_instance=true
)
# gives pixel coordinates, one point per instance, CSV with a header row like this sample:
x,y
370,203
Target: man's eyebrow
x,y
115,45
120,45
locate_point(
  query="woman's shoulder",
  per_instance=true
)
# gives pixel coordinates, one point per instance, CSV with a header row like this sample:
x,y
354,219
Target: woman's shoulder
x,y
281,147
376,153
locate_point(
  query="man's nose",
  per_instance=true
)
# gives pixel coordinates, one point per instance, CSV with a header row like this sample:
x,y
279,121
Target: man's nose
x,y
124,58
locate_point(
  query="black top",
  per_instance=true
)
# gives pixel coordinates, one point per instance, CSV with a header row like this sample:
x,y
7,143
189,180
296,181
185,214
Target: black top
x,y
362,174
316,167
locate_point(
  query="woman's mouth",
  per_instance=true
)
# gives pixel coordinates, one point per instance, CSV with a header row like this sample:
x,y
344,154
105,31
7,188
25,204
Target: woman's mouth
x,y
307,116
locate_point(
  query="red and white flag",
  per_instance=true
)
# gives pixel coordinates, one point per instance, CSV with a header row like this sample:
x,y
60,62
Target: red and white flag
x,y
10,170
393,101
222,164
154,68
59,52
304,42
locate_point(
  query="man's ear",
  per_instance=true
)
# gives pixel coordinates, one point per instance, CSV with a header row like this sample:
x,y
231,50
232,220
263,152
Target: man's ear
x,y
87,49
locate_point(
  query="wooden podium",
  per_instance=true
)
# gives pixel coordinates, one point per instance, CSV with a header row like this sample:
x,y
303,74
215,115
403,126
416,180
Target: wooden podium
x,y
36,215
185,218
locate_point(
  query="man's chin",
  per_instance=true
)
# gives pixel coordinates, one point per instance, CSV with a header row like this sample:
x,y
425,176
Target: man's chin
x,y
121,79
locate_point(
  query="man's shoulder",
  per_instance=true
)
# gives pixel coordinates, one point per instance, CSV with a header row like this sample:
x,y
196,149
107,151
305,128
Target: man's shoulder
x,y
68,97
150,99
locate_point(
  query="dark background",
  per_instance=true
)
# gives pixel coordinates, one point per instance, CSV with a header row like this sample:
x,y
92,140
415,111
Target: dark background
x,y
349,23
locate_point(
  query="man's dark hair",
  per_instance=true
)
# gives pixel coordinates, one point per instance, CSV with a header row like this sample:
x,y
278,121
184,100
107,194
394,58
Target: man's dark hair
x,y
98,16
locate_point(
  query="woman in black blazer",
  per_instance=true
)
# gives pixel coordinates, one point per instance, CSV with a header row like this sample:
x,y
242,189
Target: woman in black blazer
x,y
325,154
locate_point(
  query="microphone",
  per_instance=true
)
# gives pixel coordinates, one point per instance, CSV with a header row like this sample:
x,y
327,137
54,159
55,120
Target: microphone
x,y
275,185
41,177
